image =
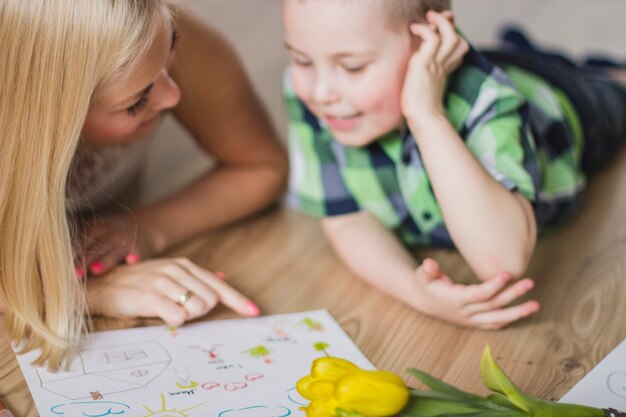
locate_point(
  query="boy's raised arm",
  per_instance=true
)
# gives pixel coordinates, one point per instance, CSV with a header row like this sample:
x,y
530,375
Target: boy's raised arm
x,y
493,227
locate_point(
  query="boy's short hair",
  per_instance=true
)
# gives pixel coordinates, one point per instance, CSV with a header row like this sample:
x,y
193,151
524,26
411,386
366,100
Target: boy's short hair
x,y
406,11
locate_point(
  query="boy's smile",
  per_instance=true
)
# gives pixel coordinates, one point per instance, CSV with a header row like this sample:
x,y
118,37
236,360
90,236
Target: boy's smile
x,y
347,65
342,122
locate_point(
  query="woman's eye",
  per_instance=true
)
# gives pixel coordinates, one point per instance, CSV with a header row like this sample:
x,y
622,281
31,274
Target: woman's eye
x,y
138,106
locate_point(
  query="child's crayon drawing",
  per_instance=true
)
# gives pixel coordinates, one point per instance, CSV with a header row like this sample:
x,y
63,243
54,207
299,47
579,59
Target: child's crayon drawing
x,y
321,347
232,368
311,325
259,352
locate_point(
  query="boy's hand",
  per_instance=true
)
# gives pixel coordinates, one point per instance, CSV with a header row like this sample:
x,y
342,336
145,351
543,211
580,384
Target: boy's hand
x,y
481,306
107,242
440,50
175,290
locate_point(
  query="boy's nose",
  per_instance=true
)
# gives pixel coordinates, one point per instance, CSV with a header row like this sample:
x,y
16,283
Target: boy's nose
x,y
325,91
167,94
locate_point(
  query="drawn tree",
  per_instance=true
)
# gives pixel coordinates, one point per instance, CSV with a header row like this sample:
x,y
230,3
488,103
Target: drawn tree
x,y
259,352
321,347
311,325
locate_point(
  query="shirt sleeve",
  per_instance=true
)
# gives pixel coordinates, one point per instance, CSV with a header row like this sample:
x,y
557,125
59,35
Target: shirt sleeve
x,y
316,186
497,132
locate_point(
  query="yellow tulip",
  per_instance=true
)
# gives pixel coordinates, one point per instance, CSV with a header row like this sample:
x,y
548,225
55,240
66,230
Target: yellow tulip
x,y
339,384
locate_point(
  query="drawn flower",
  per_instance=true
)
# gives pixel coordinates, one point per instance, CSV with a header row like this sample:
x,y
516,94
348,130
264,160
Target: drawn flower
x,y
338,387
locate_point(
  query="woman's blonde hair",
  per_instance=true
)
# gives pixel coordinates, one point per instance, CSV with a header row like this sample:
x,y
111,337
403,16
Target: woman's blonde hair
x,y
54,58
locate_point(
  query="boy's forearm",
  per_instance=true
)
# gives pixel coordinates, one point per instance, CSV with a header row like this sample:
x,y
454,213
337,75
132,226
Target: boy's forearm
x,y
373,253
492,227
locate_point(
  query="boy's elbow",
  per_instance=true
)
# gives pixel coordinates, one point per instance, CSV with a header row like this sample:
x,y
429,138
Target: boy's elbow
x,y
514,260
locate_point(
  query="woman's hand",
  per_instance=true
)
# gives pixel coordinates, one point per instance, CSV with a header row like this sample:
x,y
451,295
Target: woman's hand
x,y
106,242
440,50
175,290
481,306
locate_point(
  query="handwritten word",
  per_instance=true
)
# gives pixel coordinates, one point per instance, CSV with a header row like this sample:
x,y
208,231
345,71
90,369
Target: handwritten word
x,y
184,392
224,367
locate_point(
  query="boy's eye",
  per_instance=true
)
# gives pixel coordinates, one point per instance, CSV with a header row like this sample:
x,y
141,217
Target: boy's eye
x,y
301,62
354,68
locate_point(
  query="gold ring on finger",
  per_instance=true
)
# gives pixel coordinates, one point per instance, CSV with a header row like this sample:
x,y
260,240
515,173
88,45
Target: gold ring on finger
x,y
183,298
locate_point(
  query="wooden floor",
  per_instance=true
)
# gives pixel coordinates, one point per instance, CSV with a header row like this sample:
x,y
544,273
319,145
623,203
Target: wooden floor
x,y
281,260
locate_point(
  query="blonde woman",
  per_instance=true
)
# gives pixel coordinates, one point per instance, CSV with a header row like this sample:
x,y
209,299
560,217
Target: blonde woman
x,y
82,87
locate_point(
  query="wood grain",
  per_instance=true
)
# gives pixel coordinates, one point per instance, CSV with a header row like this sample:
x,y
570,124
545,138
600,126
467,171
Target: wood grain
x,y
282,261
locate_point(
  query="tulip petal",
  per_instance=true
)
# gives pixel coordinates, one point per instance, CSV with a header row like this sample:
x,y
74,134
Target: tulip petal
x,y
371,393
331,369
496,380
321,409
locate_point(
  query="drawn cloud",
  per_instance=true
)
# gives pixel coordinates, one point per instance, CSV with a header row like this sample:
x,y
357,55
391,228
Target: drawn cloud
x,y
90,409
257,411
295,397
617,383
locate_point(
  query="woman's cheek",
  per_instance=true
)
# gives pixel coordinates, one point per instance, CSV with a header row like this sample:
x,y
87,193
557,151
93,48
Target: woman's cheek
x,y
110,130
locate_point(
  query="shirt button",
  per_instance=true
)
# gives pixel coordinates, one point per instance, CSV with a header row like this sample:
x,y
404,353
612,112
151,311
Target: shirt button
x,y
427,215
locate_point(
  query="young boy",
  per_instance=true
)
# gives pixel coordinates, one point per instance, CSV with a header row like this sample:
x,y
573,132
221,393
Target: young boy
x,y
401,133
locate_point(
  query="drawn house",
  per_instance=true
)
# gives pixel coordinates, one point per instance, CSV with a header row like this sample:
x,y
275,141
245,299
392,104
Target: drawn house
x,y
108,370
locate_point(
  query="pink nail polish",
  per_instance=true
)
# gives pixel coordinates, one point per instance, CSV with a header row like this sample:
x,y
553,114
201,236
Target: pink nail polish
x,y
220,275
96,267
253,309
80,272
132,258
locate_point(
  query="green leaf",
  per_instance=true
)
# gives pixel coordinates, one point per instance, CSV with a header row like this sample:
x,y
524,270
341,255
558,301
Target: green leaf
x,y
496,380
431,407
506,391
502,400
440,386
542,408
489,413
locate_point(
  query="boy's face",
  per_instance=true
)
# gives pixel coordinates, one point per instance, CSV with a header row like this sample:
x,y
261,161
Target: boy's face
x,y
347,65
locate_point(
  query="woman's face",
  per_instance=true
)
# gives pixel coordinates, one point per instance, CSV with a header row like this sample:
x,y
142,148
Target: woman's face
x,y
129,108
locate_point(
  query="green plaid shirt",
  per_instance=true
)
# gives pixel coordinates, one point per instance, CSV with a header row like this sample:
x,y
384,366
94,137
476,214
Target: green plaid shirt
x,y
525,133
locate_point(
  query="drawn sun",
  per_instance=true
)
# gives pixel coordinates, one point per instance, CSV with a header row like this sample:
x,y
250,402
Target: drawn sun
x,y
164,412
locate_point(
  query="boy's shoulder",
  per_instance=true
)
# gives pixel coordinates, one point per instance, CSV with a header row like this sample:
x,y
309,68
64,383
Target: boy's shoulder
x,y
477,86
477,72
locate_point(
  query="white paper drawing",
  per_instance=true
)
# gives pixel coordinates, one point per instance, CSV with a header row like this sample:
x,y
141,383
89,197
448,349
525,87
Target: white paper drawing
x,y
605,385
232,368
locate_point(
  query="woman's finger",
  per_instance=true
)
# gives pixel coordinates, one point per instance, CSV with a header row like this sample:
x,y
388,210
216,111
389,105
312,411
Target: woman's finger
x,y
201,299
109,260
226,294
163,307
